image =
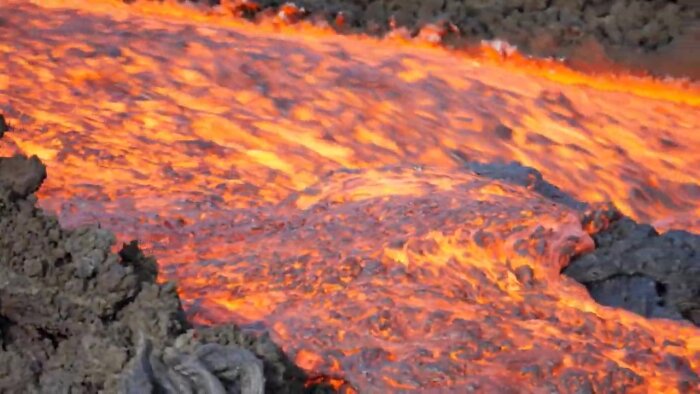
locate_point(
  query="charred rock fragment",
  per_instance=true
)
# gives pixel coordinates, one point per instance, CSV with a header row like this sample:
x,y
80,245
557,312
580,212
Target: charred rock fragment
x,y
4,127
75,317
635,268
21,176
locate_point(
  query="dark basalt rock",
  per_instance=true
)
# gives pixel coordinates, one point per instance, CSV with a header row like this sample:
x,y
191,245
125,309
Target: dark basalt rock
x,y
21,176
635,268
4,127
75,317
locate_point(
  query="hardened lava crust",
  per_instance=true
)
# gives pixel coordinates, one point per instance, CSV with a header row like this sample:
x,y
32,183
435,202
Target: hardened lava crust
x,y
636,268
75,317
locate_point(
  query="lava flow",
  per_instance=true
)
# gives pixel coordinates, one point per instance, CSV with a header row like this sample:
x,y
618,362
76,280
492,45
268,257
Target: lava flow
x,y
315,185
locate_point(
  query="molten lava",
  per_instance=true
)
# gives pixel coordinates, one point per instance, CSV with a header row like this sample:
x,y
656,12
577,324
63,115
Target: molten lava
x,y
314,185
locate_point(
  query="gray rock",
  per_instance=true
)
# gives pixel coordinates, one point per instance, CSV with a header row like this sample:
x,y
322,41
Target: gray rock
x,y
72,313
635,268
21,175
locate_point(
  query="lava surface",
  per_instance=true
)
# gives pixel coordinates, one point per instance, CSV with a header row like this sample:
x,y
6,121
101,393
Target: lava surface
x,y
315,185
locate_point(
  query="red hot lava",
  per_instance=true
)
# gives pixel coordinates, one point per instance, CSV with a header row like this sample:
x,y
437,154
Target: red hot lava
x,y
307,183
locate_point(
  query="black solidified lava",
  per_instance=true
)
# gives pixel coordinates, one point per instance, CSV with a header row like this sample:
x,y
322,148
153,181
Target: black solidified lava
x,y
75,317
636,268
4,127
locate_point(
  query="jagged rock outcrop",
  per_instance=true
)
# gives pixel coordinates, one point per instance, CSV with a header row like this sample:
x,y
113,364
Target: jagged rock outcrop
x,y
636,268
75,317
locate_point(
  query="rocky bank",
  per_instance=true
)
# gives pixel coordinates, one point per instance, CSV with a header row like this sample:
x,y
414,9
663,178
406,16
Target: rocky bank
x,y
76,317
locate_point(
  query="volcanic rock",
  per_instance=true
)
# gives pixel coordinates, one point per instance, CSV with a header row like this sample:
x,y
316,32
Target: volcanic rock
x,y
4,127
75,317
627,30
201,368
635,268
21,176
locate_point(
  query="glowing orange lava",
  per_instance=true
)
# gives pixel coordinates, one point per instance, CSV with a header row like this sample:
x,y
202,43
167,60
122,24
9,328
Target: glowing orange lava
x,y
312,184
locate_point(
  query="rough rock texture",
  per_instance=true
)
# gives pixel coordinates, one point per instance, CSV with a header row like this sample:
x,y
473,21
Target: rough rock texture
x,y
208,368
75,317
4,127
21,175
586,31
635,268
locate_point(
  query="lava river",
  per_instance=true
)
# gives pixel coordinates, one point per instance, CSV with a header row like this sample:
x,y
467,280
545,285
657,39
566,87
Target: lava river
x,y
315,186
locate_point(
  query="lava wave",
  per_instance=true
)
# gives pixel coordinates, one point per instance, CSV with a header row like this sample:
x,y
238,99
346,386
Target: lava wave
x,y
315,185
406,278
